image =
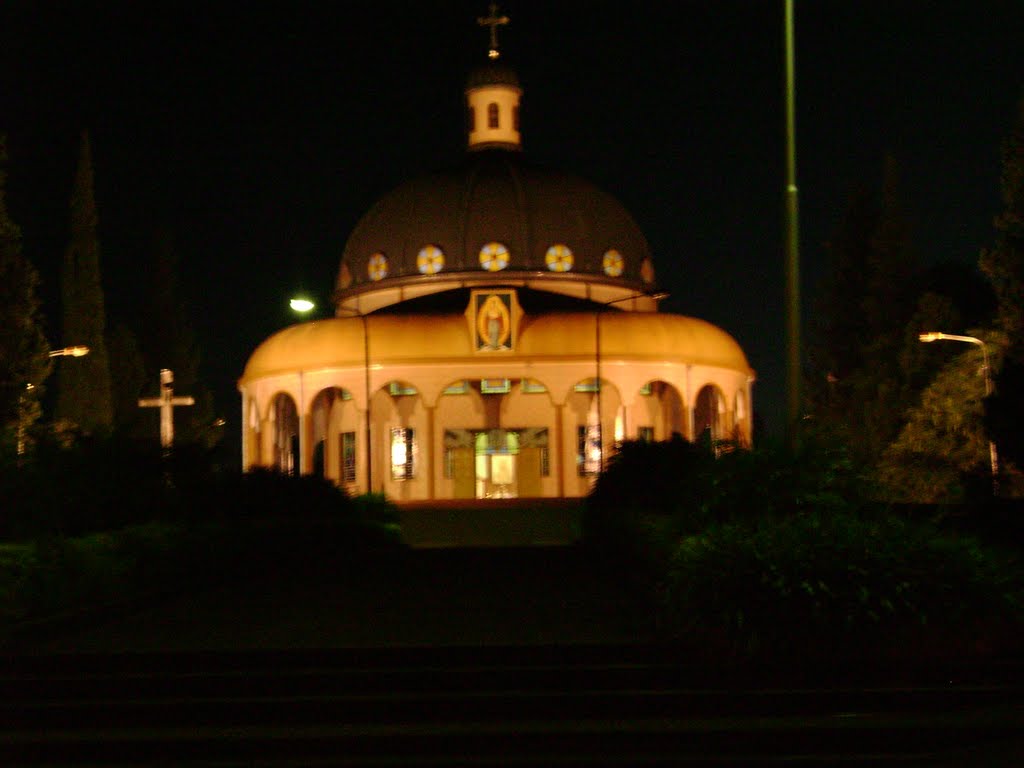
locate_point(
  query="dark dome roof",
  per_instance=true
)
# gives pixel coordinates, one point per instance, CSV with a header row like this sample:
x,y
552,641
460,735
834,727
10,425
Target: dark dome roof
x,y
492,74
495,196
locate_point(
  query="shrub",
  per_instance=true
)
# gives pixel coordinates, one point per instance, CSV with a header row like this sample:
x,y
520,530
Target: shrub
x,y
263,494
767,552
99,484
814,585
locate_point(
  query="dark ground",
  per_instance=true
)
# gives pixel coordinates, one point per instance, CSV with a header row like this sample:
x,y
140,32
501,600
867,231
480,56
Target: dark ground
x,y
493,596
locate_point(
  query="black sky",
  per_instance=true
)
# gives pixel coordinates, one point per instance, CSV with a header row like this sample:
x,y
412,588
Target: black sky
x,y
259,136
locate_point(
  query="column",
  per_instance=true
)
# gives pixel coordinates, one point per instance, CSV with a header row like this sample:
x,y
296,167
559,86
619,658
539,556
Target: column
x,y
305,444
560,448
431,451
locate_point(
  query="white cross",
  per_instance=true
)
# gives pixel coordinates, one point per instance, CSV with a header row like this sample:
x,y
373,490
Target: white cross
x,y
166,403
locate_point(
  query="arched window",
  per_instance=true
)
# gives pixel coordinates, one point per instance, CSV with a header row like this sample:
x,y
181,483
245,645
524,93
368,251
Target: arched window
x,y
471,119
707,414
285,417
492,115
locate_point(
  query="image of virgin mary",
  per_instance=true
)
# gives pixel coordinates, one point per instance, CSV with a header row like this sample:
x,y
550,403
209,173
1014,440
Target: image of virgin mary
x,y
493,324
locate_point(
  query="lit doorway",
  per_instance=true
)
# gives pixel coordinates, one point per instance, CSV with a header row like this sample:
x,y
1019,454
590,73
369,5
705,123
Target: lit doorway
x,y
496,463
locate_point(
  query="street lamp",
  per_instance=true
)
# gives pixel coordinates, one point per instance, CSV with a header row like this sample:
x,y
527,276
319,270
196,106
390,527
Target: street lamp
x,y
993,455
75,351
302,305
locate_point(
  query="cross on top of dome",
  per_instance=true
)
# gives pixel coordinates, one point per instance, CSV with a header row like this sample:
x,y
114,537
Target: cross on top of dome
x,y
493,21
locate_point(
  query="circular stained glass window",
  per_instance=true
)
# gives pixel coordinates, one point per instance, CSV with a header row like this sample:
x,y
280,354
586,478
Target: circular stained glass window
x,y
558,258
494,257
430,260
613,263
377,266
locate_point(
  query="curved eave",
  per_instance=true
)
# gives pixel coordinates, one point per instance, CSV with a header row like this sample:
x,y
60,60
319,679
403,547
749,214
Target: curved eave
x,y
550,337
358,299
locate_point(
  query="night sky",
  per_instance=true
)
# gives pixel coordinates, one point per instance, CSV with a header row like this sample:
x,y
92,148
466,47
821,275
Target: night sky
x,y
260,136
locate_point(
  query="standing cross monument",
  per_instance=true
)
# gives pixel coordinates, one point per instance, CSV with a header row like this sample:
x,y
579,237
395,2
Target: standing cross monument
x,y
166,403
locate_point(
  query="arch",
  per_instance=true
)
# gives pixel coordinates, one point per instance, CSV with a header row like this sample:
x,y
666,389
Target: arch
x,y
709,412
590,435
325,425
659,413
400,435
284,418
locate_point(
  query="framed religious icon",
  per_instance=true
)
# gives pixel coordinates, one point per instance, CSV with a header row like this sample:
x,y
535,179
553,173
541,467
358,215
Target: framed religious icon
x,y
493,317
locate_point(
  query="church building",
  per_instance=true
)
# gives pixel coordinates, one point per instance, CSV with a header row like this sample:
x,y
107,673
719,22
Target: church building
x,y
496,334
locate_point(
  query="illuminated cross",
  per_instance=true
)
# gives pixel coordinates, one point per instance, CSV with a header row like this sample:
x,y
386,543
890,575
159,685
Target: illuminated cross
x,y
493,21
166,403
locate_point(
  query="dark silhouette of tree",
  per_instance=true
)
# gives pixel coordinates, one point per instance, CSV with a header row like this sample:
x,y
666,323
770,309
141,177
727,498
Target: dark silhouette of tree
x,y
127,381
24,361
1003,264
858,382
83,385
169,342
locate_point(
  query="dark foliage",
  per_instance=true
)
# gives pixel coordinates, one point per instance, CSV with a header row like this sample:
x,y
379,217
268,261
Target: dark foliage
x,y
693,485
23,346
1004,266
101,484
83,384
785,557
817,585
1004,411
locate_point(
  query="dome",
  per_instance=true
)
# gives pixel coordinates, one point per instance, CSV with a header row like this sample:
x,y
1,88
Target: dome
x,y
493,217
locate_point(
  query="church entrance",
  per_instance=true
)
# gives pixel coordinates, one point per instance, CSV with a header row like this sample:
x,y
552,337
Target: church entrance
x,y
496,463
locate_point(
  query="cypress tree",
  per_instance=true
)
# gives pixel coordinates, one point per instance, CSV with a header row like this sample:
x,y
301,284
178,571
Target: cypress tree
x,y
857,386
83,387
24,361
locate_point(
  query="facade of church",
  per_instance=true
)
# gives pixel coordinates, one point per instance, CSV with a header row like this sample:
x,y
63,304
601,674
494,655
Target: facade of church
x,y
496,334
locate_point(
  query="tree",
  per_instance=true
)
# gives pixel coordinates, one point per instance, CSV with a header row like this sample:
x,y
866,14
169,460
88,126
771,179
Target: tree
x,y
127,380
83,389
169,342
1003,264
941,453
24,359
857,385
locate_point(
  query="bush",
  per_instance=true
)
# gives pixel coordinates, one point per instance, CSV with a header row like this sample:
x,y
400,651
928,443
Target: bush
x,y
99,484
816,585
262,494
107,484
766,552
695,486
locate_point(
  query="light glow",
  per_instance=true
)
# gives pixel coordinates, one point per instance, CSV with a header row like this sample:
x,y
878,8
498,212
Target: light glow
x,y
76,351
302,305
